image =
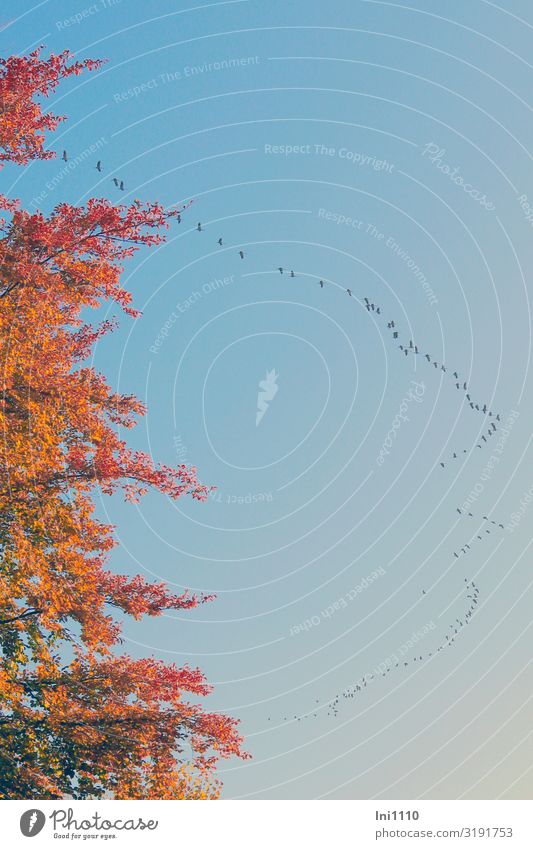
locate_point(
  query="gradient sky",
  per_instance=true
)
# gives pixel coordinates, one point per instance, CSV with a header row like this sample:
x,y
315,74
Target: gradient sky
x,y
303,511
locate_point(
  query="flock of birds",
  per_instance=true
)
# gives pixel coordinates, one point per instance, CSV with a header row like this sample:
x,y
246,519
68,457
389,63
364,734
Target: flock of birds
x,y
356,689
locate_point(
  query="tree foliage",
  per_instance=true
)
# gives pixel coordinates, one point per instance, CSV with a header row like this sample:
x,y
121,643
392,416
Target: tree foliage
x,y
75,717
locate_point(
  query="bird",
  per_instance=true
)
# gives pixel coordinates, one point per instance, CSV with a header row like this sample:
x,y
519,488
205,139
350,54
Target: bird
x,y
241,254
410,343
179,218
464,386
416,349
64,157
115,182
121,187
395,334
456,375
428,358
292,273
220,241
321,284
366,301
280,270
443,368
349,292
378,311
199,226
98,166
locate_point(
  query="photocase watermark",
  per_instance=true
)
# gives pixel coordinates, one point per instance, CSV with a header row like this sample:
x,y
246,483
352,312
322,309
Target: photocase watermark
x,y
526,208
435,155
493,461
402,254
268,389
340,604
397,656
66,169
93,826
168,77
184,306
412,395
180,448
88,12
339,219
355,157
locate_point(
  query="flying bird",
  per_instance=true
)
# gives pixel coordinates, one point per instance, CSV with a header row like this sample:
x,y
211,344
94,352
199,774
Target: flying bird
x,y
199,226
220,241
98,166
349,292
280,270
64,157
241,254
321,284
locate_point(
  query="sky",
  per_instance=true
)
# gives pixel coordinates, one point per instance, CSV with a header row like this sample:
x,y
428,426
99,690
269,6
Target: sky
x,y
381,148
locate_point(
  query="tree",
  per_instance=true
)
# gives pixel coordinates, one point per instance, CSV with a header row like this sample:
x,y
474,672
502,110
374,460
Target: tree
x,y
75,718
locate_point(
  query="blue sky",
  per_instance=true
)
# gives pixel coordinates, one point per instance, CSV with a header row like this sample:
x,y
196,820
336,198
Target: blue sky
x,y
381,148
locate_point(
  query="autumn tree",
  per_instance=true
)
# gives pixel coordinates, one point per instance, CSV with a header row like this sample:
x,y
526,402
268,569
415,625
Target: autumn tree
x,y
76,716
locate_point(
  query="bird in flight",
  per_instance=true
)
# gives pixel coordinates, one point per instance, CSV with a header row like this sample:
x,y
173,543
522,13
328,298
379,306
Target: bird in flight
x,y
199,226
116,182
280,269
64,157
241,254
220,241
321,284
98,166
349,292
121,187
179,218
292,274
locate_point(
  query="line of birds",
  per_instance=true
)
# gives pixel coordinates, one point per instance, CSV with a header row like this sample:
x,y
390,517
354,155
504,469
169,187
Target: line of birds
x,y
357,689
414,349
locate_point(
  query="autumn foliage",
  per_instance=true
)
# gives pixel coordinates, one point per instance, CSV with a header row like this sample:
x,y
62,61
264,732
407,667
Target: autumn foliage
x,y
76,717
